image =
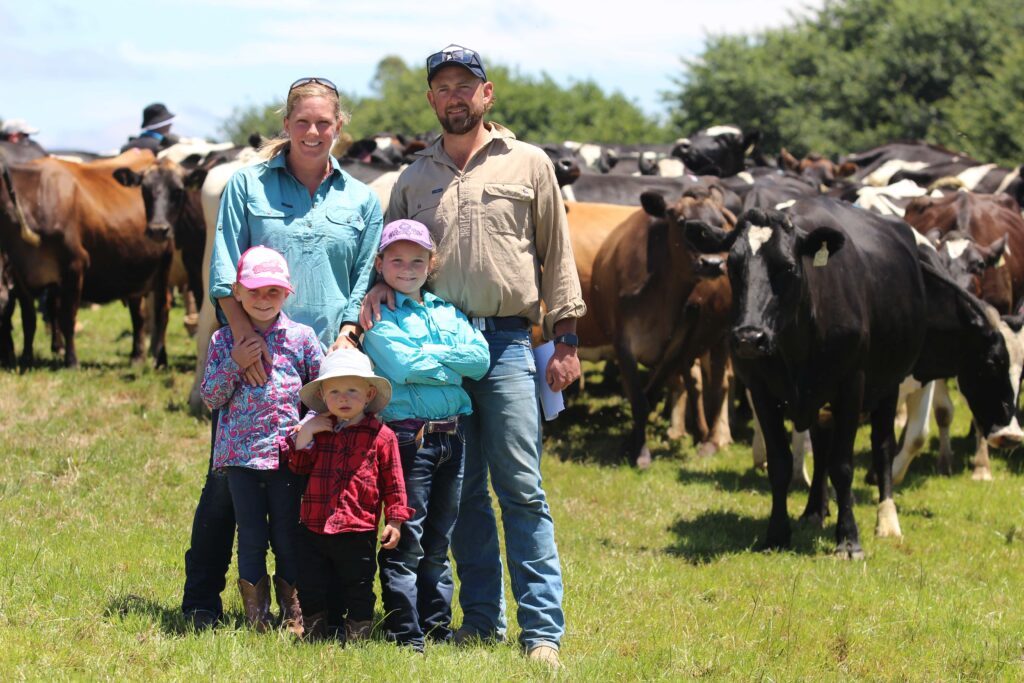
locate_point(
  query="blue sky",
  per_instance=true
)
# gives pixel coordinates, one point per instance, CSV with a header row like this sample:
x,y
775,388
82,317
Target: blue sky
x,y
81,72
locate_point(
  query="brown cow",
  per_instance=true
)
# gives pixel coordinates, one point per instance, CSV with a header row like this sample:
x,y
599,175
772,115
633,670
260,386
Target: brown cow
x,y
94,244
648,299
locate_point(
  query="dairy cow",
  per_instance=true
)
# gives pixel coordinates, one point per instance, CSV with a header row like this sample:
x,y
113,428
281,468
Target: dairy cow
x,y
810,330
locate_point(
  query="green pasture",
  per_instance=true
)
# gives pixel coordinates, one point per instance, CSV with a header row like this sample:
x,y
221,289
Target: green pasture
x,y
101,468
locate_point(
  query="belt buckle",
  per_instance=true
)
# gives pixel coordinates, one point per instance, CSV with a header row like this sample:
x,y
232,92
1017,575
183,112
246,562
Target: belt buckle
x,y
479,323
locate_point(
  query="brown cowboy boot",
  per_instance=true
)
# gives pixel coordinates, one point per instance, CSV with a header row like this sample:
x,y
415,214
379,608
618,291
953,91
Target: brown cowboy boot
x,y
256,600
288,601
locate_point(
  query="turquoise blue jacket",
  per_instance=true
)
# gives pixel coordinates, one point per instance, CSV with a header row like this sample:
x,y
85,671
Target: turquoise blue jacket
x,y
329,240
425,350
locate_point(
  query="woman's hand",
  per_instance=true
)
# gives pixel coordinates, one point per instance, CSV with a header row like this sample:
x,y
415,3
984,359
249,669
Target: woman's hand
x,y
369,313
346,338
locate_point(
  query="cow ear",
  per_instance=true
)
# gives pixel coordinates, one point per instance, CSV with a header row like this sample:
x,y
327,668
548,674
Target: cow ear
x,y
708,239
846,170
934,236
195,179
810,244
654,204
127,177
995,252
789,161
750,140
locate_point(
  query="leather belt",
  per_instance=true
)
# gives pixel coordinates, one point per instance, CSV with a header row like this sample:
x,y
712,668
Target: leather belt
x,y
501,323
448,425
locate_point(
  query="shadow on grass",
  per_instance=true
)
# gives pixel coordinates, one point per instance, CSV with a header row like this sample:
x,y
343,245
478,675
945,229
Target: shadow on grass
x,y
712,534
727,480
170,619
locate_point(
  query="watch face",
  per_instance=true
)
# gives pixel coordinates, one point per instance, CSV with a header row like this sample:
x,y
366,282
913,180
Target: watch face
x,y
570,339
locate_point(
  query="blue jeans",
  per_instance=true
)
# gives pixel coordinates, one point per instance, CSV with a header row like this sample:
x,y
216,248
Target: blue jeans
x,y
213,533
503,441
416,577
267,510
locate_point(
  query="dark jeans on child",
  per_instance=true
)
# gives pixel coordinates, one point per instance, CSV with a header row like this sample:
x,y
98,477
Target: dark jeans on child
x,y
267,510
416,576
336,572
213,533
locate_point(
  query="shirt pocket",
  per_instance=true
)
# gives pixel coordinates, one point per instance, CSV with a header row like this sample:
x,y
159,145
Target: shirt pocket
x,y
427,210
267,218
506,207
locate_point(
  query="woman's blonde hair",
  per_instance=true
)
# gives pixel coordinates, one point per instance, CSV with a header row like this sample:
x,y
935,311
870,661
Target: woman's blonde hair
x,y
274,146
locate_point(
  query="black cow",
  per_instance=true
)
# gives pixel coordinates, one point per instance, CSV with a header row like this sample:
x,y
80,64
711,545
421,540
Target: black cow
x,y
877,166
719,150
970,175
832,305
626,190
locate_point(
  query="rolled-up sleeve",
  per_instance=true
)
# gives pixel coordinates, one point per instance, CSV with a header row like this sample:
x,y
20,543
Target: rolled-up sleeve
x,y
560,282
231,239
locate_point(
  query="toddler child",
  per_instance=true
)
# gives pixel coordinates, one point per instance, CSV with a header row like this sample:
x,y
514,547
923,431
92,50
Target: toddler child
x,y
425,347
252,423
352,461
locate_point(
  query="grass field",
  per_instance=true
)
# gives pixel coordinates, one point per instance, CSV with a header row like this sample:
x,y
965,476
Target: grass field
x,y
101,469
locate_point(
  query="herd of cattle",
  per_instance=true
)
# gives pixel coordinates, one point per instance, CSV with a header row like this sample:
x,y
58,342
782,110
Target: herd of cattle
x,y
831,292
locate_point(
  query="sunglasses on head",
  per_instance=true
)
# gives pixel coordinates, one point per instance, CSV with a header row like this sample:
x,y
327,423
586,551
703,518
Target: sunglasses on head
x,y
319,80
459,55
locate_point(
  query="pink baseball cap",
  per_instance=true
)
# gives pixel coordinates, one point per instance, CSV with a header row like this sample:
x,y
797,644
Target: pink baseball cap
x,y
405,229
263,267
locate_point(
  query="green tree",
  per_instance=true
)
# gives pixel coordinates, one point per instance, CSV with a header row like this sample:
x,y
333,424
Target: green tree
x,y
858,73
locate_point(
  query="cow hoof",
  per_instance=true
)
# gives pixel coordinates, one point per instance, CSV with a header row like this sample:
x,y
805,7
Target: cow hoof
x,y
643,461
706,450
814,519
945,469
982,473
888,522
848,550
870,478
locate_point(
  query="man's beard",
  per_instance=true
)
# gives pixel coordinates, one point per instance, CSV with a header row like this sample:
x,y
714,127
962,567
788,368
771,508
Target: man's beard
x,y
464,125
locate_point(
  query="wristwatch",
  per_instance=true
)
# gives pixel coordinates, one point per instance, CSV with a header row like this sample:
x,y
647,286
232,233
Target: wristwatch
x,y
568,339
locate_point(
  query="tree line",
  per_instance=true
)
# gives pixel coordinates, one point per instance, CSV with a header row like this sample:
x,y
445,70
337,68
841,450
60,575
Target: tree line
x,y
851,75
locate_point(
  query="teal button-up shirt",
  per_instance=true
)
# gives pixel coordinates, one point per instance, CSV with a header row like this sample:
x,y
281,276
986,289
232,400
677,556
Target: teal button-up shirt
x,y
329,240
425,350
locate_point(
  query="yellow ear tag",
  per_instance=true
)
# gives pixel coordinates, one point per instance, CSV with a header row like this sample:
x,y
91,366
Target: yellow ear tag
x,y
821,256
1002,262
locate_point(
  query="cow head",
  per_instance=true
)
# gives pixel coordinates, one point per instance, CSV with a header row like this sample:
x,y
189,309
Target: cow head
x,y
989,378
766,270
164,186
818,170
719,150
567,170
969,262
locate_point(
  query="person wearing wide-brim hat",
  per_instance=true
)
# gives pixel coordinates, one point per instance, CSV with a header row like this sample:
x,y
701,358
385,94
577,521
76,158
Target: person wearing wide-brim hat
x,y
354,469
155,134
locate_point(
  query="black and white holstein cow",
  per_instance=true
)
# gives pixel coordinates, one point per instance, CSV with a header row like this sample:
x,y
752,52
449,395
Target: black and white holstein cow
x,y
811,329
718,150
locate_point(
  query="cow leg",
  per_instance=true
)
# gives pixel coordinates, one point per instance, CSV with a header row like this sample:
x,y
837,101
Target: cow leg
x,y
50,301
161,312
780,463
919,408
944,418
69,299
846,419
982,465
758,448
822,435
715,398
7,355
883,445
28,326
801,445
138,315
636,447
675,403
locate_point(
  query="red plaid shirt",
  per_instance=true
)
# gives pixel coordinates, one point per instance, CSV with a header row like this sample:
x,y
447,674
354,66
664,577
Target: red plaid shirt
x,y
351,471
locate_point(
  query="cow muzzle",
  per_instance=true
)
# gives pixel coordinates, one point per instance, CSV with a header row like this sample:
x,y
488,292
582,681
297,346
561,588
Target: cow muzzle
x,y
751,342
1006,437
158,232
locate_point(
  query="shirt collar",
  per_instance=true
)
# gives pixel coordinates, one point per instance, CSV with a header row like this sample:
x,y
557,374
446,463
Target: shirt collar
x,y
283,322
278,161
495,131
368,423
428,299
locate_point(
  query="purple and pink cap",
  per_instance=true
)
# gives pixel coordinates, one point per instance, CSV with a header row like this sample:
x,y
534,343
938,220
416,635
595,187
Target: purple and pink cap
x,y
405,229
263,267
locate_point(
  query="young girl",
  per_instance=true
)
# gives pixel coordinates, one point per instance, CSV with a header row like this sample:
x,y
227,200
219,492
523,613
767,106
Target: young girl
x,y
353,466
253,422
424,347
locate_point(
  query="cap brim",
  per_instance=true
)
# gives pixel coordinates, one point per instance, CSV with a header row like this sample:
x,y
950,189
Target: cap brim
x,y
257,282
159,124
475,71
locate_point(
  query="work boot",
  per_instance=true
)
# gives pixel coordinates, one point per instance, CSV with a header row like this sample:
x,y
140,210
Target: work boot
x,y
256,600
545,653
288,601
357,630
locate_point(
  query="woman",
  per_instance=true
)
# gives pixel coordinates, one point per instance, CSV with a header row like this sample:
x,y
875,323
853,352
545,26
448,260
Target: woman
x,y
327,225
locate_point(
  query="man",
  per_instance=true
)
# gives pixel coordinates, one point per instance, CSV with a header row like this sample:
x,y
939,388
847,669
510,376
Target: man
x,y
156,130
17,131
494,209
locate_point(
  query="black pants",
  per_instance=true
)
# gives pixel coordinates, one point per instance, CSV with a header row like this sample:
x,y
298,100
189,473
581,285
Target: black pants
x,y
336,572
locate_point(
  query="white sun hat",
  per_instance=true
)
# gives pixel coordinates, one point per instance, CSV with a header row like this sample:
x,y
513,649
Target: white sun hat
x,y
346,363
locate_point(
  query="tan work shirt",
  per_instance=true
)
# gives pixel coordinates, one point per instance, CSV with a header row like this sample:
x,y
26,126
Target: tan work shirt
x,y
500,229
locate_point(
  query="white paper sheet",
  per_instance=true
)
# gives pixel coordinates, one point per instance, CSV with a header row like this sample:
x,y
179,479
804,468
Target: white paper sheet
x,y
551,401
